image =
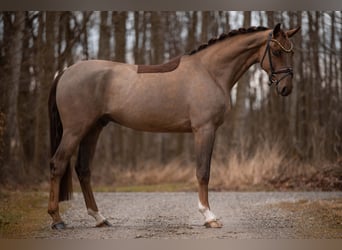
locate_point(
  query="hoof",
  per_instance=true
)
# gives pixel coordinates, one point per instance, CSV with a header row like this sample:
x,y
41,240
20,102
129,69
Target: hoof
x,y
58,225
213,224
104,223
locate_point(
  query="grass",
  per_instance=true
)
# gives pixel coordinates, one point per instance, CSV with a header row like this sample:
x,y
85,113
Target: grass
x,y
267,169
320,219
22,213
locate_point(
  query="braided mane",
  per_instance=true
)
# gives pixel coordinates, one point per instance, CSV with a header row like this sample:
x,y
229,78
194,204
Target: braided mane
x,y
224,36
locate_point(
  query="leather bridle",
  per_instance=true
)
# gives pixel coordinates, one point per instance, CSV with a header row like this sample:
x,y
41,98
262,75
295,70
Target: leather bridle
x,y
288,71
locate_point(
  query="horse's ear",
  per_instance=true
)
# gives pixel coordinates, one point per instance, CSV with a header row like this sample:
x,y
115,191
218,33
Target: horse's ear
x,y
291,33
276,30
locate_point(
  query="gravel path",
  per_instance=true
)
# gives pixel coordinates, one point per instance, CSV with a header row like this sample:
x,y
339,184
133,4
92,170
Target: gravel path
x,y
175,216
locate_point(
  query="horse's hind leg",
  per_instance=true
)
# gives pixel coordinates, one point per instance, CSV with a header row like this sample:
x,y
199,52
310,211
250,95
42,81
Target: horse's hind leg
x,y
58,166
85,156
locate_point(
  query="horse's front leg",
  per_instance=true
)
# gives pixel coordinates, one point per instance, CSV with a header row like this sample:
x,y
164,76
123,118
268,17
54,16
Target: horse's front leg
x,y
204,142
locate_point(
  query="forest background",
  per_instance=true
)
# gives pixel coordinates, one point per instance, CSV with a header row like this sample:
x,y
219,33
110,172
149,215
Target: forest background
x,y
266,141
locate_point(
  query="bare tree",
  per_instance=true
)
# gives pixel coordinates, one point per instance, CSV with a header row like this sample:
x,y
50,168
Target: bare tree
x,y
240,109
9,87
26,95
47,28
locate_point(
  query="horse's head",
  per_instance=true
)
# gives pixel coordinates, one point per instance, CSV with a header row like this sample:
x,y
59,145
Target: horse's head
x,y
276,59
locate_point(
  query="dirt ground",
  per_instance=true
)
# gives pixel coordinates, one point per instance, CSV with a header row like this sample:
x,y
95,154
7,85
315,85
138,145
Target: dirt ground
x,y
245,215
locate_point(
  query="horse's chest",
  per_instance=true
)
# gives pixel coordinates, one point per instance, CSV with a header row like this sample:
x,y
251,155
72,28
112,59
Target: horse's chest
x,y
211,110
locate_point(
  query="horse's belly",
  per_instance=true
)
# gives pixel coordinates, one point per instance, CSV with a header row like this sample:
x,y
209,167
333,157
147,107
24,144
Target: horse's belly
x,y
176,128
154,122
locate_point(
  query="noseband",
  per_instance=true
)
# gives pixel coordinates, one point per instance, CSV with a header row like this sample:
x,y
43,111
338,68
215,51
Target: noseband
x,y
287,71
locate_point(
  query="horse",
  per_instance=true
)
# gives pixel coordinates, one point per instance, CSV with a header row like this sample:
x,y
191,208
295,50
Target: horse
x,y
189,94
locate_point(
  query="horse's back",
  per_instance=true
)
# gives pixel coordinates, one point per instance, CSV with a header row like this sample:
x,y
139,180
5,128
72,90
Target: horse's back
x,y
90,78
90,70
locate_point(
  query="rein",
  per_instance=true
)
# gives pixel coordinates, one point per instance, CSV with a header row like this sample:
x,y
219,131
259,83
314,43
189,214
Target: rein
x,y
287,71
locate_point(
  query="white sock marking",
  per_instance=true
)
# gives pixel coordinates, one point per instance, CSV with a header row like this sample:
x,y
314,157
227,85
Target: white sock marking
x,y
97,216
208,215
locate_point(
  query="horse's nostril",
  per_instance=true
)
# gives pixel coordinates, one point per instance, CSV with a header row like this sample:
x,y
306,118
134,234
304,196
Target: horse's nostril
x,y
284,91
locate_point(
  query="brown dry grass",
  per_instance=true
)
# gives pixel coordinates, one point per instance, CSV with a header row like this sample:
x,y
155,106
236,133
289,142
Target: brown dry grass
x,y
24,213
21,213
240,172
320,219
267,169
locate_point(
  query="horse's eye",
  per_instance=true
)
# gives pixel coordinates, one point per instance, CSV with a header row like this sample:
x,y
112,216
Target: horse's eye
x,y
277,53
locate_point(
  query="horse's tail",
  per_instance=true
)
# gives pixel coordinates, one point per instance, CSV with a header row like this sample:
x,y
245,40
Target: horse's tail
x,y
56,132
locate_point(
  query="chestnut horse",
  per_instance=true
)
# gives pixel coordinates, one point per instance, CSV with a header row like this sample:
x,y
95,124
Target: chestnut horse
x,y
188,94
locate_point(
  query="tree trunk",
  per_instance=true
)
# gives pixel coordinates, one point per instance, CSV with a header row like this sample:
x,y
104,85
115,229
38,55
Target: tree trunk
x,y
121,135
105,151
240,110
67,37
205,26
86,16
104,40
47,70
191,39
26,99
296,95
13,37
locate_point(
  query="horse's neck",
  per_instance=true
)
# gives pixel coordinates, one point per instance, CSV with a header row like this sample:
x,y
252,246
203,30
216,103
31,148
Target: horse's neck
x,y
228,60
